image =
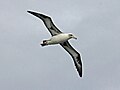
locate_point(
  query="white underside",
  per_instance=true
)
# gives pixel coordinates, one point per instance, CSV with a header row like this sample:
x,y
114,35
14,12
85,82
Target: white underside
x,y
58,39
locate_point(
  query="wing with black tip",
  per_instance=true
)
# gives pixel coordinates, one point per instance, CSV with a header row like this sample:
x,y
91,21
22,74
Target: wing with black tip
x,y
75,55
48,23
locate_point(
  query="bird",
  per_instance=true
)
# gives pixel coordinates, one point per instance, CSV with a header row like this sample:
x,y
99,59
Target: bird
x,y
58,37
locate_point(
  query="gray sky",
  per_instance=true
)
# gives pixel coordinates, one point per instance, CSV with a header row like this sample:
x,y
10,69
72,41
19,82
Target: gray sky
x,y
24,65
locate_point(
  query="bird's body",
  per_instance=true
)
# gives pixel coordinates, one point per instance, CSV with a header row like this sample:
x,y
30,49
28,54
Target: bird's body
x,y
57,39
61,38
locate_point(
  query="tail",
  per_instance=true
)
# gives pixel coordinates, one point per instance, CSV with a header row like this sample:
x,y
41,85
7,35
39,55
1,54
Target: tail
x,y
43,44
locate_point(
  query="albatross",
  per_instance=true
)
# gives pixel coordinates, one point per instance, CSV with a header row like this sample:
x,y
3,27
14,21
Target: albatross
x,y
58,37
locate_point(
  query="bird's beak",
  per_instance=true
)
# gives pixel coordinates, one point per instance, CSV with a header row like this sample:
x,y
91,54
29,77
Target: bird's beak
x,y
74,37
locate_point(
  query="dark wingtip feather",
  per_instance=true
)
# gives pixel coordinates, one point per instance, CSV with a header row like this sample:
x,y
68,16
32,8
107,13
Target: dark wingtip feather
x,y
79,70
28,11
31,12
39,15
80,73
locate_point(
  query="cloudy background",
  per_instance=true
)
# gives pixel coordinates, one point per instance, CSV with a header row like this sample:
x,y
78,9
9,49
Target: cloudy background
x,y
25,65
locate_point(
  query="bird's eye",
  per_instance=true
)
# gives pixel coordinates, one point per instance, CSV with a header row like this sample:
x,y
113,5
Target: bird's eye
x,y
70,35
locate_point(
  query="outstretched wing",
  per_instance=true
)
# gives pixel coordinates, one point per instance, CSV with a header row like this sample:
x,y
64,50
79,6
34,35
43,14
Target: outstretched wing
x,y
48,23
75,55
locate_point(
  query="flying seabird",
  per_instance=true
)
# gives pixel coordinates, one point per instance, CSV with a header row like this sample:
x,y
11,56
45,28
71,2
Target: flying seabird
x,y
61,38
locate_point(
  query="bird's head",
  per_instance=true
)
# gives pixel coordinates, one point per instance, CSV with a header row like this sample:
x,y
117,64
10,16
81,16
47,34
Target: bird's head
x,y
72,36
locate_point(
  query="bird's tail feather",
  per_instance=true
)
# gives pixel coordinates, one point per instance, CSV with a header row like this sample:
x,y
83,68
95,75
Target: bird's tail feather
x,y
43,44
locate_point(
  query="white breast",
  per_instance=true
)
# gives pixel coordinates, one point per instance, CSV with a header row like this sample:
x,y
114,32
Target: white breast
x,y
59,38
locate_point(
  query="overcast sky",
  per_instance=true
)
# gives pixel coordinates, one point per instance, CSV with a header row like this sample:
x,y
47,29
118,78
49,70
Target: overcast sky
x,y
25,65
